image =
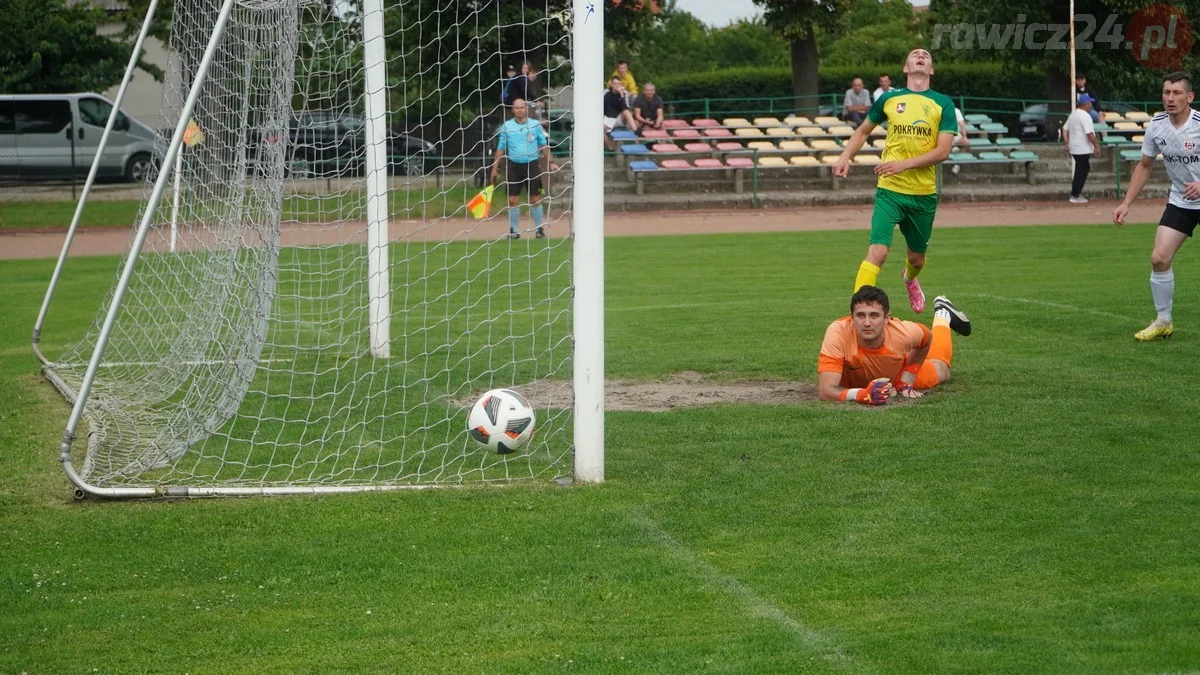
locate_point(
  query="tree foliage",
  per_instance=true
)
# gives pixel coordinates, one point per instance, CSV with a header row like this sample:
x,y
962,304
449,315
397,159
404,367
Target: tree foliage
x,y
49,46
873,31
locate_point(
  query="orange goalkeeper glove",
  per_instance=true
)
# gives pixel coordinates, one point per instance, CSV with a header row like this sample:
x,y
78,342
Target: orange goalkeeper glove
x,y
875,393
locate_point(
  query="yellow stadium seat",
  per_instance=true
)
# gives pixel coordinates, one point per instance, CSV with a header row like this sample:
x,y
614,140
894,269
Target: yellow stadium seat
x,y
810,131
867,159
804,160
1138,138
824,144
779,131
829,159
879,143
761,145
841,130
1111,117
1137,116
797,121
735,122
827,121
772,161
793,145
767,122
879,131
748,131
1127,126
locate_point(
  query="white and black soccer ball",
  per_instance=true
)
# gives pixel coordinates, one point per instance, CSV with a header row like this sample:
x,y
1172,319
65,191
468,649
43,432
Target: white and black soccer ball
x,y
501,420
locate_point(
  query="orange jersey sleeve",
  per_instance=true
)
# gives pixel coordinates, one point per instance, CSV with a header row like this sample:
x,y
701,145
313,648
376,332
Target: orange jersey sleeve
x,y
838,337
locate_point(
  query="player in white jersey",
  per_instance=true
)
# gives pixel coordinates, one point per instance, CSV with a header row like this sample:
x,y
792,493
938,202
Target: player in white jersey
x,y
1176,135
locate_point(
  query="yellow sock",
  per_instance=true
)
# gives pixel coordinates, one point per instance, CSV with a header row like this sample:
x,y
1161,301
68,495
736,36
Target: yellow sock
x,y
868,275
910,272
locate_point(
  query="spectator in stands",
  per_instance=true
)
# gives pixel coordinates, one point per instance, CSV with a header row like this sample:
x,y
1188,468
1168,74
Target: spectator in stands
x,y
648,108
856,102
885,85
1081,89
616,111
1079,139
510,74
524,87
960,139
522,143
630,85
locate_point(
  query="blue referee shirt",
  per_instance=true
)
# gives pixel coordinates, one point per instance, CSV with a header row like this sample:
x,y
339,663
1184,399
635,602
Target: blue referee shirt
x,y
520,142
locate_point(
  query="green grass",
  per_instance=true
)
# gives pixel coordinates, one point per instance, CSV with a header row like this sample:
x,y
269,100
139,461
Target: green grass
x,y
1035,514
426,202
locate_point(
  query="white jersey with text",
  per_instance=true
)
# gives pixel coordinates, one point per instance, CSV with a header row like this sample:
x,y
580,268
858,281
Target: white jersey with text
x,y
1180,149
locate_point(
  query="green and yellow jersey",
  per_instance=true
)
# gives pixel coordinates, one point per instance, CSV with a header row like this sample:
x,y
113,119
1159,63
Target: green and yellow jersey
x,y
915,119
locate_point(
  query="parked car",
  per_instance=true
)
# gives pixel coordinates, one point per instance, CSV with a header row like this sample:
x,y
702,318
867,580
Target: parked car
x,y
1032,125
333,144
55,136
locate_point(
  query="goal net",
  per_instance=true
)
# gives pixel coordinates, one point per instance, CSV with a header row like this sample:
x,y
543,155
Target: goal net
x,y
306,304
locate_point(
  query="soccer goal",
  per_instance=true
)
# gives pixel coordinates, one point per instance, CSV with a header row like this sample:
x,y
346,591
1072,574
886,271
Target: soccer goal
x,y
306,304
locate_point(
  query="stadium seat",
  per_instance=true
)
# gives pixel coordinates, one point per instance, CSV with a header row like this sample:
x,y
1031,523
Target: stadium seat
x,y
993,128
993,156
772,161
623,135
1137,138
810,131
643,165
676,124
705,122
1137,116
739,162
697,147
655,133
827,121
797,121
729,146
961,157
779,131
708,163
1023,156
675,164
1127,126
1115,140
829,159
735,122
1006,141
880,130
879,143
824,144
767,122
793,145
867,159
760,145
685,133
977,118
1111,117
661,148
717,132
983,143
748,131
804,160
841,130
633,149
1131,154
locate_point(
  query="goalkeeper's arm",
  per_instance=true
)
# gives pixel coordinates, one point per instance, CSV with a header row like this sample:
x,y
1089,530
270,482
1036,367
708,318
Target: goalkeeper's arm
x,y
829,388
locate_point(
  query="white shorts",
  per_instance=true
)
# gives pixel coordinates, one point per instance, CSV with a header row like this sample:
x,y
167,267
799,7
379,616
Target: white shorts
x,y
611,123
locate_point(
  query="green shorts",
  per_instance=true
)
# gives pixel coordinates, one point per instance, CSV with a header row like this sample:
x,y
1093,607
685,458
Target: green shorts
x,y
913,213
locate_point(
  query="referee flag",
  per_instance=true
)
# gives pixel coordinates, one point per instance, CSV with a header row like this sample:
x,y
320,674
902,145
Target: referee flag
x,y
481,203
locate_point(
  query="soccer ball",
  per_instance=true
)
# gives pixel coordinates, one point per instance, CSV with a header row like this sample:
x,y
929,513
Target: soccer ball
x,y
502,420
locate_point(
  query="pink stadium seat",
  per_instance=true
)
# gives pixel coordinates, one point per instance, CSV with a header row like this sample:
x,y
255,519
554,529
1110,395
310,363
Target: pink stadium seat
x,y
675,124
704,122
675,164
716,132
655,133
726,146
708,163
697,147
664,147
740,162
685,133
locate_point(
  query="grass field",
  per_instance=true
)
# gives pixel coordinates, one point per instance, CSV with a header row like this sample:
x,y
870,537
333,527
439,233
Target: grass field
x,y
427,202
1038,513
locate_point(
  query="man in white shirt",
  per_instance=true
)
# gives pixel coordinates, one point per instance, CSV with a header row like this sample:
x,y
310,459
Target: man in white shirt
x,y
1176,135
1079,138
885,85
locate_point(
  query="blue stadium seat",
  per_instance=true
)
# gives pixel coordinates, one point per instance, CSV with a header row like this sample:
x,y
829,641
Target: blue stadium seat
x,y
642,165
623,135
633,149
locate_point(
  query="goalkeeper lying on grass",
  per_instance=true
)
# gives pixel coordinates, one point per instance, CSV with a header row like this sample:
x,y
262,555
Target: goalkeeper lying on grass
x,y
870,355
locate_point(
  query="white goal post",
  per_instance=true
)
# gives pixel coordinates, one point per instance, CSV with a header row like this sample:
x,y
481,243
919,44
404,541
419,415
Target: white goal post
x,y
306,304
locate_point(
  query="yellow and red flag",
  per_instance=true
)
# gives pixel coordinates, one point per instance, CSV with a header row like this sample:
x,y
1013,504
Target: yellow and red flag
x,y
192,134
481,203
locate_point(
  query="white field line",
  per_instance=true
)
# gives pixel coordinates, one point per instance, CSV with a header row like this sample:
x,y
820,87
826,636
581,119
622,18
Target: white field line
x,y
1053,305
754,604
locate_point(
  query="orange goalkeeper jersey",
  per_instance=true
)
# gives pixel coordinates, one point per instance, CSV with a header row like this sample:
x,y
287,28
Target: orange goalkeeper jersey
x,y
841,353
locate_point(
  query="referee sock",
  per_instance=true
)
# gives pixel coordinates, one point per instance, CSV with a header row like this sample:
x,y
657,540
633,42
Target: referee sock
x,y
1162,288
868,275
514,218
535,210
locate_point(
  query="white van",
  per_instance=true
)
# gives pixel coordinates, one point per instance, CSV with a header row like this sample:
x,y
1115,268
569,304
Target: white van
x,y
52,136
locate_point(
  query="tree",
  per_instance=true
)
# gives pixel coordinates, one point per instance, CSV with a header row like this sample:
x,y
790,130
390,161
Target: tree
x,y
49,46
874,31
798,22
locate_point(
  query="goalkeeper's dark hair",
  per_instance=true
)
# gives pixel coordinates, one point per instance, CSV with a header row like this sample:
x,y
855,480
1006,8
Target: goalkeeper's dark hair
x,y
1179,76
870,294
